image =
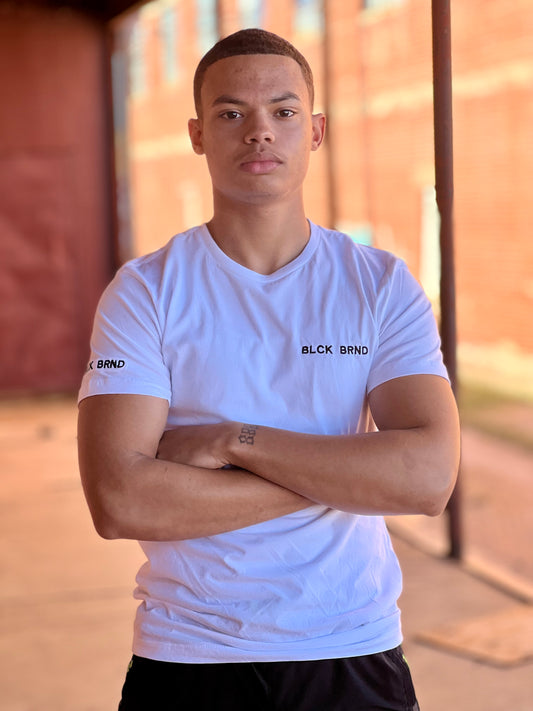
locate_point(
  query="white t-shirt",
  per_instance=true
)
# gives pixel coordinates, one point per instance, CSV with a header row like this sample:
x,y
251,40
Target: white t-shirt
x,y
299,349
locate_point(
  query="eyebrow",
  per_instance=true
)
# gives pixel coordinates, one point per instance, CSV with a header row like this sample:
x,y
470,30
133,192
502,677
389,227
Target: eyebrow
x,y
227,99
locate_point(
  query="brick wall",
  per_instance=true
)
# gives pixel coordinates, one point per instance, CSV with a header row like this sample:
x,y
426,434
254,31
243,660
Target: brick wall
x,y
380,145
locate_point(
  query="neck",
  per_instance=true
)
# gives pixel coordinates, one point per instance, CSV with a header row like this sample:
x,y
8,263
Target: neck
x,y
262,238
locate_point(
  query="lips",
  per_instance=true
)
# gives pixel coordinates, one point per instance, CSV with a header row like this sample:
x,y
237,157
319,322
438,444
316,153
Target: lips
x,y
260,163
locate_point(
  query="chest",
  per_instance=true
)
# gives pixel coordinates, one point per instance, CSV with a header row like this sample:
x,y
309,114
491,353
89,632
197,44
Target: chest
x,y
296,358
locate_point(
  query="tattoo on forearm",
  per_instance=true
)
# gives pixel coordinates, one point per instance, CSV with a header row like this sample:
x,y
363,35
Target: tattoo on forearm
x,y
247,435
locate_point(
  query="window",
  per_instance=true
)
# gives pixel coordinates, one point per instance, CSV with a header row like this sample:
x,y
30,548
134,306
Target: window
x,y
430,243
206,24
168,47
370,4
251,13
138,59
308,17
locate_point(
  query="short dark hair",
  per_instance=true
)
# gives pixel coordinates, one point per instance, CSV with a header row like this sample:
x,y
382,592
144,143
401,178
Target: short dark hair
x,y
250,41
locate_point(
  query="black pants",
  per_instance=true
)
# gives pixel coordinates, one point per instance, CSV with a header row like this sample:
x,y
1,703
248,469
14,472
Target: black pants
x,y
369,683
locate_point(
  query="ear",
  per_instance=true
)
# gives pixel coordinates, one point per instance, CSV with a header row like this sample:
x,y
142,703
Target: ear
x,y
195,134
319,129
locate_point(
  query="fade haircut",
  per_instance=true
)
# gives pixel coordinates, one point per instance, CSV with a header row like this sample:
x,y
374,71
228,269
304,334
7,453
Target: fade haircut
x,y
250,41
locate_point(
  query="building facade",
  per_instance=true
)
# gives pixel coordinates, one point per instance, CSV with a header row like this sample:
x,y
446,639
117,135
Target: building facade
x,y
374,178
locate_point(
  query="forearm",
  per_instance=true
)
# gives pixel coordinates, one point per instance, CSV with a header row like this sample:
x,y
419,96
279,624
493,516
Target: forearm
x,y
158,500
389,472
133,494
409,466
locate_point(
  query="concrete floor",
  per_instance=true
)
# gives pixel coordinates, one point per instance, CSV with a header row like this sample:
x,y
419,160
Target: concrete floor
x,y
65,595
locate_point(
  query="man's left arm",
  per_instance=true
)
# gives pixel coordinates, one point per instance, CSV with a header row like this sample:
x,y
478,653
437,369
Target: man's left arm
x,y
409,466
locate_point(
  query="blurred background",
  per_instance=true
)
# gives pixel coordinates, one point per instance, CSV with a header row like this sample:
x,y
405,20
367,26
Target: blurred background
x,y
96,165
96,168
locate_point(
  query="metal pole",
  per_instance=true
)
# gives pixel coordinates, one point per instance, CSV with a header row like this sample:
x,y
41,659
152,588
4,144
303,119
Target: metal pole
x,y
331,173
443,127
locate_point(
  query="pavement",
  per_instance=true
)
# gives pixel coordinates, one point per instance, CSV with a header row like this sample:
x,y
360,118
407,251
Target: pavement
x,y
66,608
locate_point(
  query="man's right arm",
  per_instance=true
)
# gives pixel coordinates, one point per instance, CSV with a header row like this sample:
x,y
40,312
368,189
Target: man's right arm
x,y
132,494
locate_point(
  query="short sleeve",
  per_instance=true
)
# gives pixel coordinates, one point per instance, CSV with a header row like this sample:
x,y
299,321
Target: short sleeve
x,y
126,354
408,339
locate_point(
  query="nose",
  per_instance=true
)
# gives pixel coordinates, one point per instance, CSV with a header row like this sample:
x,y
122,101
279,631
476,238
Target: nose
x,y
258,130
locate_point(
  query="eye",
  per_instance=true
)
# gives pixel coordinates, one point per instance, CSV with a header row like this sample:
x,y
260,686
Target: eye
x,y
231,115
286,113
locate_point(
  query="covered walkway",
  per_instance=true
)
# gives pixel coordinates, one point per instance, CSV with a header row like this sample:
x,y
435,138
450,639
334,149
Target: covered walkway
x,y
66,608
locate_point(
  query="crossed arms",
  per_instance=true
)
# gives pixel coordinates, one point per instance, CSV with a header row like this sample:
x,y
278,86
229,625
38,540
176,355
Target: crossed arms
x,y
144,484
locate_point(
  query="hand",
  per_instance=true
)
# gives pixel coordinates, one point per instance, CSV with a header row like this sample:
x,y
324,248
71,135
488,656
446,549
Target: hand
x,y
198,445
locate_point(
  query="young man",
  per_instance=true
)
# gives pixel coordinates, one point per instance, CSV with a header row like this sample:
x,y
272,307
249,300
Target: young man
x,y
225,422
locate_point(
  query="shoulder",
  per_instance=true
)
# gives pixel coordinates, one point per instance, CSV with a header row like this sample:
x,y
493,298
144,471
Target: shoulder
x,y
371,264
169,256
154,273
